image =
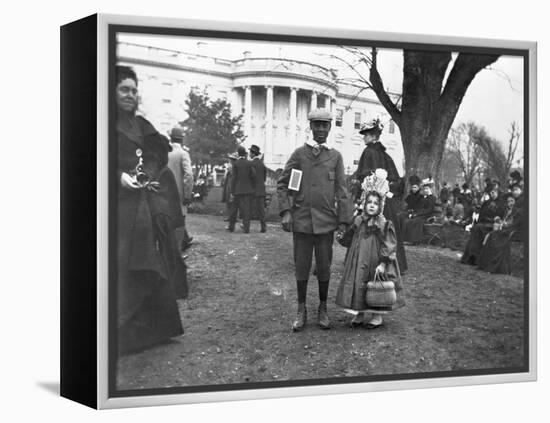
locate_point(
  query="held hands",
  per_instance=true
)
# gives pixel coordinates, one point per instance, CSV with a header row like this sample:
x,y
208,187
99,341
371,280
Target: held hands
x,y
341,230
286,221
128,182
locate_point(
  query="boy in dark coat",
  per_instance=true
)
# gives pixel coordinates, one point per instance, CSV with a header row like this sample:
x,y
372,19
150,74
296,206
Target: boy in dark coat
x,y
320,206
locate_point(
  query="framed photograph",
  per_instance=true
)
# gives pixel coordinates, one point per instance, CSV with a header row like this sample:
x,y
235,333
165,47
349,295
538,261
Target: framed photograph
x,y
254,211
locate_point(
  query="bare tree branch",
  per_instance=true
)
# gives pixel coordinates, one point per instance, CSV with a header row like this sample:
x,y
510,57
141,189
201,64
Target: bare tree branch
x,y
465,68
359,53
350,66
504,76
464,145
513,143
378,88
356,96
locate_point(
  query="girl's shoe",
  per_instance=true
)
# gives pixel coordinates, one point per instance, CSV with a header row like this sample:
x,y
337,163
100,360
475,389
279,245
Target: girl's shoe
x,y
375,322
357,320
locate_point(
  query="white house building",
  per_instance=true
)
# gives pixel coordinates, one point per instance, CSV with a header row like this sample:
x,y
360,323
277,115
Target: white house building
x,y
274,96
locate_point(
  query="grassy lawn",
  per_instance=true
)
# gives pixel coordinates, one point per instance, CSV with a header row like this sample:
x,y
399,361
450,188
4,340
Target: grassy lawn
x,y
242,301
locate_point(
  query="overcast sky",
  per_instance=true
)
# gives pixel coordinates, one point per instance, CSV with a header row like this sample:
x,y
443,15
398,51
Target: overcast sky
x,y
494,99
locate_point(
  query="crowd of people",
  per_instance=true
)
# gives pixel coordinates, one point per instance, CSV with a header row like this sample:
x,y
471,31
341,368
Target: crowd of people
x,y
244,189
493,217
496,220
371,219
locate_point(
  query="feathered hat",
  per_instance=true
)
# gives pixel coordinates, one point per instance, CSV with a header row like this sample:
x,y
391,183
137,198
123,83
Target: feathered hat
x,y
376,182
428,182
372,126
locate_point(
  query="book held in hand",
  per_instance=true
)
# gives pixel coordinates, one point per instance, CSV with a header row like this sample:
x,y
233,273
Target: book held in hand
x,y
295,180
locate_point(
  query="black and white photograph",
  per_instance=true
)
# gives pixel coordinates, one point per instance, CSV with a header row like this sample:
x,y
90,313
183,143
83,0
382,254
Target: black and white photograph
x,y
292,211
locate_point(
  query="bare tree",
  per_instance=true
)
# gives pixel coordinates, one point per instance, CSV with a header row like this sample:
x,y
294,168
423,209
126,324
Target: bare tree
x,y
464,143
513,142
500,159
430,98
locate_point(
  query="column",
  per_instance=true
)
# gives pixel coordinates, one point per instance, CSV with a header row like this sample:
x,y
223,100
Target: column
x,y
329,103
268,149
328,106
313,100
248,114
235,101
292,144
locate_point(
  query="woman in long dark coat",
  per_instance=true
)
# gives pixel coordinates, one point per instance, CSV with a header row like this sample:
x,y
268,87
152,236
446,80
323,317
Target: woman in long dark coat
x,y
490,210
374,157
495,252
151,272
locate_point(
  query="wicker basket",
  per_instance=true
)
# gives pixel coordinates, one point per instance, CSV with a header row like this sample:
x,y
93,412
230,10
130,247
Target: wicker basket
x,y
380,293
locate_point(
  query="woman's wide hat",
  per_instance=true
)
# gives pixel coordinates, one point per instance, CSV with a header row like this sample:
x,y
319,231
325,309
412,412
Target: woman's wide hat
x,y
372,126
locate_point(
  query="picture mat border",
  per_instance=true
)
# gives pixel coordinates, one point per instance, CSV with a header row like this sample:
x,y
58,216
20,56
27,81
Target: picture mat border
x,y
526,49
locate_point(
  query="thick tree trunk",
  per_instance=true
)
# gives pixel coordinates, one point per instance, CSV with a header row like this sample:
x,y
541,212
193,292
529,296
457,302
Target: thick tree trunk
x,y
423,155
428,106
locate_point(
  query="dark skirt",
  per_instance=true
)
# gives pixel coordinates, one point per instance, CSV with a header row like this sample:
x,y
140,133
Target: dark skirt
x,y
151,273
494,256
154,316
475,242
391,208
413,229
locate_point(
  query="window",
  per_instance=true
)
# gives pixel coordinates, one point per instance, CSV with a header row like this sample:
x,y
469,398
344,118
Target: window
x,y
339,117
321,101
357,123
391,128
166,92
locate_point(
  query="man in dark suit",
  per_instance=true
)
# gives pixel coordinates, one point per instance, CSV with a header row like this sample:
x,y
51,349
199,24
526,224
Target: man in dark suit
x,y
242,190
320,206
258,202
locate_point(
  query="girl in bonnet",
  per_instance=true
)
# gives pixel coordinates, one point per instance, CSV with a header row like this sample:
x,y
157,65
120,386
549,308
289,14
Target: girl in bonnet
x,y
372,251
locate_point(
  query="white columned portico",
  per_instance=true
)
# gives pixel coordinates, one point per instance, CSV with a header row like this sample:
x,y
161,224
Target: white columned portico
x,y
268,148
292,120
248,114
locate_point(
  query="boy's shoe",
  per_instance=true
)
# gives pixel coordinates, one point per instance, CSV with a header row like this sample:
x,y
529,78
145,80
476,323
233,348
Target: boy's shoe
x,y
301,318
322,316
